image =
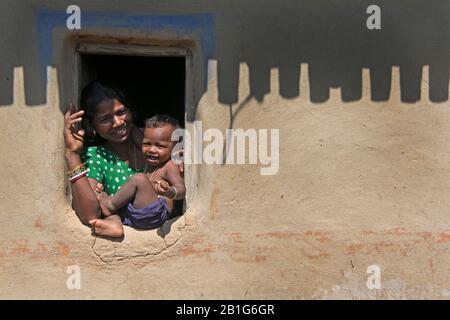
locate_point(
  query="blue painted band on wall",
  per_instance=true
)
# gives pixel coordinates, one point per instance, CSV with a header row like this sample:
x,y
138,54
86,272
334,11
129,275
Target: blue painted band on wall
x,y
202,25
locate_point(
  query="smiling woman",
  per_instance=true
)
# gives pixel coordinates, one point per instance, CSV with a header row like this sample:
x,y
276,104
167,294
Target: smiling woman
x,y
111,159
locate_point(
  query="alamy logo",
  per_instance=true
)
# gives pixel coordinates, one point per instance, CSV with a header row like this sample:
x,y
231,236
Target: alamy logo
x,y
236,147
74,280
73,22
374,279
374,20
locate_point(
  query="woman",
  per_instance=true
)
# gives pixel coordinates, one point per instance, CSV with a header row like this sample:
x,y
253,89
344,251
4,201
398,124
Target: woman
x,y
108,121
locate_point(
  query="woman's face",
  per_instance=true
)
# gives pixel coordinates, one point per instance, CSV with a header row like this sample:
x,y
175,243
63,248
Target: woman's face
x,y
112,121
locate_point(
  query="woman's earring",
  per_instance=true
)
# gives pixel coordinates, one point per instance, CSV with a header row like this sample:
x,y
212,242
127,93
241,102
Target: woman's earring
x,y
90,134
90,131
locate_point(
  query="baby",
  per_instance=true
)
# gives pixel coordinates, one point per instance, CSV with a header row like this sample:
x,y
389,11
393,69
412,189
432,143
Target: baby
x,y
145,201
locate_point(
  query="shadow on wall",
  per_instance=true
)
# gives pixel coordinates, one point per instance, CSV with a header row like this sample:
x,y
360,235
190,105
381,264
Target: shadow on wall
x,y
330,36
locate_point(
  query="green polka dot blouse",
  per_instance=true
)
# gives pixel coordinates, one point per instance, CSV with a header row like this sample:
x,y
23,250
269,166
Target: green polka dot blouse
x,y
105,167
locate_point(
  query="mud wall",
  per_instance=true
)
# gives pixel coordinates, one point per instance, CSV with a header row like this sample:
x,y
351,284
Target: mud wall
x,y
364,162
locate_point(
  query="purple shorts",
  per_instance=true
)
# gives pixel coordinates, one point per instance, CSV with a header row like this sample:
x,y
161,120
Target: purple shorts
x,y
151,217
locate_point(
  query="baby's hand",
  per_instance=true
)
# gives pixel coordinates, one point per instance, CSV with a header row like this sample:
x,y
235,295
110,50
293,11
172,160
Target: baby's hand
x,y
162,188
100,193
102,197
103,202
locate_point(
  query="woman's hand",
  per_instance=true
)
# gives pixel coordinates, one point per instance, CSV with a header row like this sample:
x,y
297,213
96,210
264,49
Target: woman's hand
x,y
181,165
73,138
177,158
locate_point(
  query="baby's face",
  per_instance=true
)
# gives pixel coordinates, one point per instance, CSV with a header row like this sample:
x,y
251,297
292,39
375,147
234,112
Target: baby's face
x,y
157,144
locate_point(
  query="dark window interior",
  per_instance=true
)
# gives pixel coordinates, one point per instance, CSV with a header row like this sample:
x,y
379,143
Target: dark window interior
x,y
151,85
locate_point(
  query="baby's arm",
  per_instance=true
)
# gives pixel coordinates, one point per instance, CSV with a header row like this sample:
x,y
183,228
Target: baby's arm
x,y
177,189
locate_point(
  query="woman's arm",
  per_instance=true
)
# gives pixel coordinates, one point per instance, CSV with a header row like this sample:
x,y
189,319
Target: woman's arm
x,y
84,201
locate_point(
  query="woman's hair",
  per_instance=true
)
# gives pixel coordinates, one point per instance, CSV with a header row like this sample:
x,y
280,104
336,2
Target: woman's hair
x,y
92,96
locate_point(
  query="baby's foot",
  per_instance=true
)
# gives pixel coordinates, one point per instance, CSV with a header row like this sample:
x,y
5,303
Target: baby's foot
x,y
107,227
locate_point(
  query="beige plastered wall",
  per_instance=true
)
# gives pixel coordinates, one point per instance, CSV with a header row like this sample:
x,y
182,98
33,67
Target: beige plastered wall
x,y
359,184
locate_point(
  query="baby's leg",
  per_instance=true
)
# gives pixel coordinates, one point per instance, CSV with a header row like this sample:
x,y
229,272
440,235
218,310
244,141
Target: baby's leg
x,y
170,204
138,190
110,226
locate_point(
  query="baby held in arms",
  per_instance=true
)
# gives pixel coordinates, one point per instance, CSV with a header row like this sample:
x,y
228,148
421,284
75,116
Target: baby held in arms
x,y
145,201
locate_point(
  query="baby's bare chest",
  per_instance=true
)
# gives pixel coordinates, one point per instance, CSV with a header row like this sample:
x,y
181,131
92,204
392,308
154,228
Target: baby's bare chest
x,y
157,175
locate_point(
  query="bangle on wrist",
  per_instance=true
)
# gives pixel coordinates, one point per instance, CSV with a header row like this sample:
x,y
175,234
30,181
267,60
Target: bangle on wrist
x,y
175,195
76,173
78,176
